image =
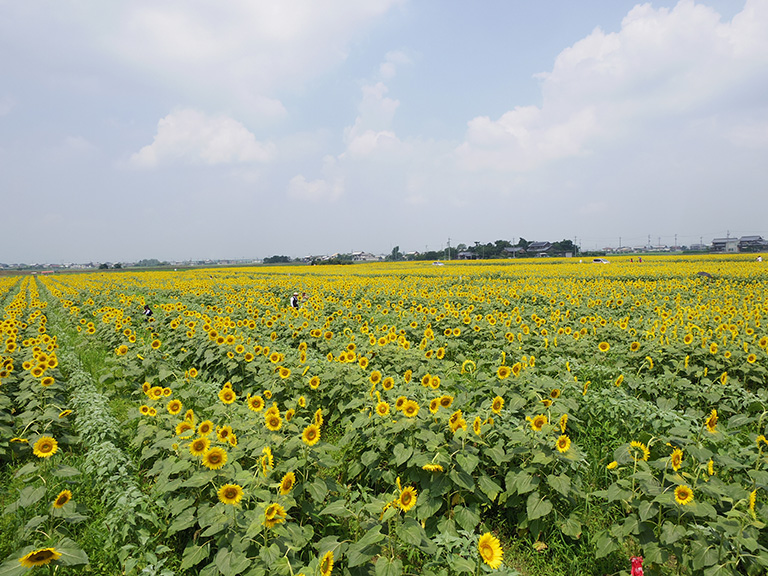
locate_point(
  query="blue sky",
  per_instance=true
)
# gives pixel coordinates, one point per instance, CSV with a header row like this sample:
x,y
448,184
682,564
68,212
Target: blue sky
x,y
242,129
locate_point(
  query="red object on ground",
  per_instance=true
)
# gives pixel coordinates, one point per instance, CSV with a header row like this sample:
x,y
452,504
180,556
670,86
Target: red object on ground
x,y
637,565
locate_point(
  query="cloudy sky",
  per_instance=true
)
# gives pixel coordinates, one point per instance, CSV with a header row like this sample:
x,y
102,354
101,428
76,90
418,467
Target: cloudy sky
x,y
246,128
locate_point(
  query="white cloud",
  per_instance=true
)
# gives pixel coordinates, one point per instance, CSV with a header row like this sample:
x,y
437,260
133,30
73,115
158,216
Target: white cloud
x,y
319,190
189,136
388,68
240,52
668,68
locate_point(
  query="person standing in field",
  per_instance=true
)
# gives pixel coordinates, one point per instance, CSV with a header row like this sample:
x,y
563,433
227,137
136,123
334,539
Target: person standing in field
x,y
295,300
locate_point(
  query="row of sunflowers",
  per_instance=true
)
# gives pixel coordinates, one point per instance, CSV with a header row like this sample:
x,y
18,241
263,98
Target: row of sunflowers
x,y
406,418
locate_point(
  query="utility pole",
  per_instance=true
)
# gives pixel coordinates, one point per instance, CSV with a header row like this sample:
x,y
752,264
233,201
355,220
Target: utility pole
x,y
449,248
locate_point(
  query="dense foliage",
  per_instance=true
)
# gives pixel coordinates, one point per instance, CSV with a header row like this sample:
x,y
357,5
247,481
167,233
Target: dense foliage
x,y
404,419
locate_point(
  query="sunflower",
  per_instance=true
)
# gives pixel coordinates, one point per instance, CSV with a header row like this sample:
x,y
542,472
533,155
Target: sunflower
x,y
516,369
174,407
47,381
382,409
563,444
619,380
676,459
538,422
223,433
287,483
400,402
64,413
63,497
683,495
326,564
410,408
375,377
457,421
273,421
434,382
434,405
603,346
311,435
497,405
477,425
503,372
563,422
302,402
185,429
432,467
144,410
687,339
45,447
274,514
612,465
425,380
490,550
39,557
407,499
284,372
555,393
635,346
711,421
227,395
155,344
255,403
199,446
446,401
314,382
205,428
638,451
193,372
230,494
751,358
388,383
713,348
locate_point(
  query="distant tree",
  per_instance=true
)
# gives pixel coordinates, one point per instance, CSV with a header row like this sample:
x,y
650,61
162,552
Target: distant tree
x,y
461,248
103,266
395,255
564,247
150,263
118,265
523,243
277,260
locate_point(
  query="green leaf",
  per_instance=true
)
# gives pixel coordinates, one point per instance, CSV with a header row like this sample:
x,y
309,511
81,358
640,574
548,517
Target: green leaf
x,y
488,486
402,453
537,506
525,483
337,508
366,548
30,495
66,472
462,479
231,563
387,567
605,545
671,533
468,462
318,490
71,553
466,518
571,527
193,555
183,521
615,492
28,468
411,532
702,555
369,458
459,564
561,483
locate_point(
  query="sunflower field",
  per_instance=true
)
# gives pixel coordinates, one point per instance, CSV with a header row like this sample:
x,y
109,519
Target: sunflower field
x,y
523,417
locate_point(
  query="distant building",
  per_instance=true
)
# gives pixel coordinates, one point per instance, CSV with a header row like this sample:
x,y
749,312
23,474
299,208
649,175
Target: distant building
x,y
514,252
539,249
725,245
467,255
752,244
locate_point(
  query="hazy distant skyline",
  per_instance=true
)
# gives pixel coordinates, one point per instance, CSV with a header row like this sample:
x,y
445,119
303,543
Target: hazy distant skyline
x,y
196,130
